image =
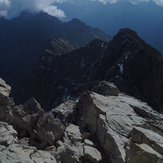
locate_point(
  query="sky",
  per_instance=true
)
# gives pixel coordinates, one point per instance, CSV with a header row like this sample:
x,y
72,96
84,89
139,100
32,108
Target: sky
x,y
10,8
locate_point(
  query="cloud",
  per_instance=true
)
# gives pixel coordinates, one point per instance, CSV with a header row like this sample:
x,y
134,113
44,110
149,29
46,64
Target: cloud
x,y
52,10
10,8
4,6
158,2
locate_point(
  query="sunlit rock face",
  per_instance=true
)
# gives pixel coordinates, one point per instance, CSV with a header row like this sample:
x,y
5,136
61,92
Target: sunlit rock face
x,y
102,126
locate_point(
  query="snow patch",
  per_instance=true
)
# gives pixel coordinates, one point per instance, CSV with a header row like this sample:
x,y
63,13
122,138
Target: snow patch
x,y
102,44
121,68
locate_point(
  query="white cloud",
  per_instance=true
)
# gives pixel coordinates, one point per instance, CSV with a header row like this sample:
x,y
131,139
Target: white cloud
x,y
158,2
4,6
10,8
52,10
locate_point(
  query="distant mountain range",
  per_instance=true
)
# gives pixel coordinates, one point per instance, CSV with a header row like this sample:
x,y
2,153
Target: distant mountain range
x,y
146,17
134,66
23,39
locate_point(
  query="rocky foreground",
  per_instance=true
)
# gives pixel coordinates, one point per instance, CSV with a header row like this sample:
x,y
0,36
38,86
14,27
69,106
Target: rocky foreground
x,y
103,125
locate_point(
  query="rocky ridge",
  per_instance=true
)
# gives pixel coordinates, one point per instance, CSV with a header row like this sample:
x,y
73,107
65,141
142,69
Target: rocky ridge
x,y
25,37
134,66
100,126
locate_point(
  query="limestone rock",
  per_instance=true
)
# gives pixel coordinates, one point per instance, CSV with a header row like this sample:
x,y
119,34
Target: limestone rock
x,y
113,119
73,133
32,106
143,153
6,113
6,103
88,143
103,88
4,92
92,154
8,135
140,135
25,154
22,120
49,129
25,117
70,153
64,111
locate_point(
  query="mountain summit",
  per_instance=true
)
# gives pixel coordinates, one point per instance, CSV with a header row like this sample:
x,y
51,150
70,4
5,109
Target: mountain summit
x,y
134,66
23,39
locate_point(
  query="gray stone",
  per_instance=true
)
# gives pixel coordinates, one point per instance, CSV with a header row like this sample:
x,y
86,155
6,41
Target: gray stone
x,y
32,106
88,143
142,153
70,153
112,118
4,92
73,133
49,129
25,154
140,135
8,135
92,154
104,88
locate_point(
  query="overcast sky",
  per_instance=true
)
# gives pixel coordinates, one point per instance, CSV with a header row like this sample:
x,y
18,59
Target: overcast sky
x,y
9,8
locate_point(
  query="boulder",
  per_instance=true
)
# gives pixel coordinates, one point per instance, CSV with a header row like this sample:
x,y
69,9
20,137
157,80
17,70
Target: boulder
x,y
21,120
6,113
49,129
64,111
8,135
73,134
6,103
91,154
32,106
144,136
25,117
114,119
70,153
4,92
103,88
88,143
25,154
142,153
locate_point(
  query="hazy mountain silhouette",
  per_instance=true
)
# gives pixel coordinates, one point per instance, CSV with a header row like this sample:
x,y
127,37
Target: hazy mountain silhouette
x,y
146,18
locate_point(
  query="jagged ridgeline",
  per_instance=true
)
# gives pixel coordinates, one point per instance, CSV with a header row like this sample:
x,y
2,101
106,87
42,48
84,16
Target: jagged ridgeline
x,y
134,66
22,39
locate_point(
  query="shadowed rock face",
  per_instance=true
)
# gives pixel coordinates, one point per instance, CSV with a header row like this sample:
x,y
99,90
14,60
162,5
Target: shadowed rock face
x,y
134,66
24,38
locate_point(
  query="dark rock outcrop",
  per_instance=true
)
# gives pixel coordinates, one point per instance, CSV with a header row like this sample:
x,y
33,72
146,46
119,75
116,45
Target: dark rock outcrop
x,y
6,104
24,38
103,88
134,66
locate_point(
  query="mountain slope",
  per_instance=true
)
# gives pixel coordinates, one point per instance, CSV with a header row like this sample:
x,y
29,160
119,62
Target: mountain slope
x,y
23,38
145,18
134,66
